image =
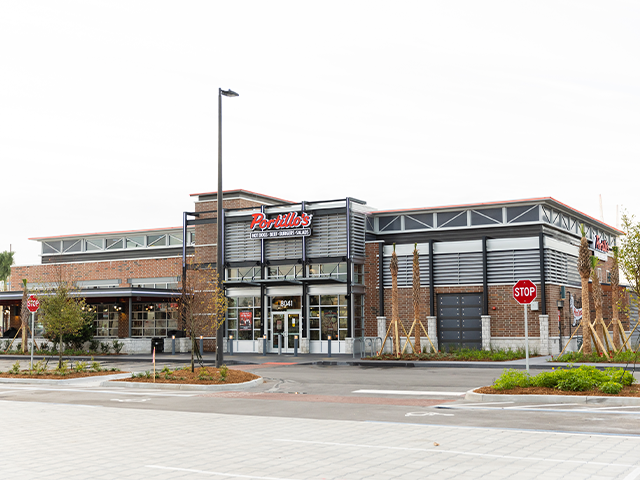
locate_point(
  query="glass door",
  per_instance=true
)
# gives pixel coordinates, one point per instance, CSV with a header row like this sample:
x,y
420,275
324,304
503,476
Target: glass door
x,y
288,326
293,330
279,329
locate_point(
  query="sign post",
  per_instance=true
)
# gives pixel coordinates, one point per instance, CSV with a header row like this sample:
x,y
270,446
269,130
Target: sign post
x,y
524,292
33,304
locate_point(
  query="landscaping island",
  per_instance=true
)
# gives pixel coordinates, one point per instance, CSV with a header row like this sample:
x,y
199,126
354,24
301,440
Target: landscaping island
x,y
585,380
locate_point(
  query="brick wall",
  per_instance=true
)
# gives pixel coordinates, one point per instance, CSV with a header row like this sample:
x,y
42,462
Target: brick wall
x,y
122,270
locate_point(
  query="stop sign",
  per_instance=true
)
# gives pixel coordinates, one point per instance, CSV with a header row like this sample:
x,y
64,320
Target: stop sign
x,y
33,303
524,292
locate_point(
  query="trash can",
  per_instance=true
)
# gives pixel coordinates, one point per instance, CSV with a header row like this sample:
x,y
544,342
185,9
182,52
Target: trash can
x,y
158,343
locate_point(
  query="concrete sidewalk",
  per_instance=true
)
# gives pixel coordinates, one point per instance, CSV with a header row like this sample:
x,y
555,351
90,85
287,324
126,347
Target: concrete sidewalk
x,y
535,363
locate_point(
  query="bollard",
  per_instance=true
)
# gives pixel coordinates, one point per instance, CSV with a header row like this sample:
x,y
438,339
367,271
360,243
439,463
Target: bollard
x,y
201,346
279,344
230,344
264,345
329,338
173,345
295,346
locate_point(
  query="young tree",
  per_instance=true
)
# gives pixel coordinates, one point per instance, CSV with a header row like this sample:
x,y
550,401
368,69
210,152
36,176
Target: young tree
x,y
24,314
6,260
202,307
62,313
584,269
629,254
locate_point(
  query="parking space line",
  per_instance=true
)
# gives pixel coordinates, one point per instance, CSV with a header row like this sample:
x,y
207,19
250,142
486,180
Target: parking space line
x,y
221,474
538,405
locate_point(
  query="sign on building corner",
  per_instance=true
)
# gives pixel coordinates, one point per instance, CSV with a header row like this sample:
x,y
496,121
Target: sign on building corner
x,y
289,224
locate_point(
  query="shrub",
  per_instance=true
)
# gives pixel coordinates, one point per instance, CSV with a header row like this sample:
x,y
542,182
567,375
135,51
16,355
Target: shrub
x,y
118,346
15,368
203,374
63,369
81,367
94,345
511,378
95,366
105,348
610,387
620,375
40,367
224,372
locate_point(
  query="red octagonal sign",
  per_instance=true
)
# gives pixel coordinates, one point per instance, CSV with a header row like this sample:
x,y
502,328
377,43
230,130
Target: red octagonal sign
x,y
525,292
33,303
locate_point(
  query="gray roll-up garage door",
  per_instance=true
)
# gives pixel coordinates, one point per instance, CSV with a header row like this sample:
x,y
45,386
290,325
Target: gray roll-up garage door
x,y
459,322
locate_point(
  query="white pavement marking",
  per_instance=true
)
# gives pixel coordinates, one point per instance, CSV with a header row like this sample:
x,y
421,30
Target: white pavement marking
x,y
633,475
110,392
486,403
221,474
410,392
130,399
458,452
541,405
539,408
427,414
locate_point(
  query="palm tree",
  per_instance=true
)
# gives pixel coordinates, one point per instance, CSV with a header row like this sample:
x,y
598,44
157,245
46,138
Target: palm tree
x,y
584,269
416,298
597,297
615,285
394,300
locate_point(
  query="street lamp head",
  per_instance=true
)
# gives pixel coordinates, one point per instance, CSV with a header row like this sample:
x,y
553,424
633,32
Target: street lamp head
x,y
228,93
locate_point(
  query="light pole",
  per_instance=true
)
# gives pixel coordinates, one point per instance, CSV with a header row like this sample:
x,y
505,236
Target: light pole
x,y
219,222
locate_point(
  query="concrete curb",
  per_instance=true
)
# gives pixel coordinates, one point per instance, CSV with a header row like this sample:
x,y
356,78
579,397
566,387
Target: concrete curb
x,y
234,387
489,397
68,381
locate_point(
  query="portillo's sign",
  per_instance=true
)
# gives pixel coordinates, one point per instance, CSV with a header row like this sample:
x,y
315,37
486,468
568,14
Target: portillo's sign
x,y
290,224
600,247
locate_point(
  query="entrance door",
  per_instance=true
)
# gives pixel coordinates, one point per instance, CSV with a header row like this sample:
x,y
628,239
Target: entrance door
x,y
285,326
459,322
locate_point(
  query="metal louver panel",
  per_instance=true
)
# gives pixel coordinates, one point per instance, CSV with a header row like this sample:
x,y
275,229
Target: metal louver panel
x,y
239,247
633,320
284,249
357,235
405,271
561,268
509,266
329,236
458,268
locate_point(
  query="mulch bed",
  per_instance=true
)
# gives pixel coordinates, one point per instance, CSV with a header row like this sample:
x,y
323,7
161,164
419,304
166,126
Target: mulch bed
x,y
55,376
630,391
187,377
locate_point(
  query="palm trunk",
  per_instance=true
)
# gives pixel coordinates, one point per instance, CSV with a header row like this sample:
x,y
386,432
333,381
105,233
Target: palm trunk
x,y
586,320
416,299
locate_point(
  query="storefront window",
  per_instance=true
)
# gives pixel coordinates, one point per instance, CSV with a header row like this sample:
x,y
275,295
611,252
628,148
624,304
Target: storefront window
x,y
244,318
285,272
105,321
328,270
327,316
154,319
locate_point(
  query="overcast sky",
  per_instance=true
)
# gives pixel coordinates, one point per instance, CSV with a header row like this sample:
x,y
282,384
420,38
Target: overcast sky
x,y
108,109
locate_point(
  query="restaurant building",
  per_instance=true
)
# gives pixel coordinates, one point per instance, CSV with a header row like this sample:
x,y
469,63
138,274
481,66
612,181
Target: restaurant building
x,y
319,270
